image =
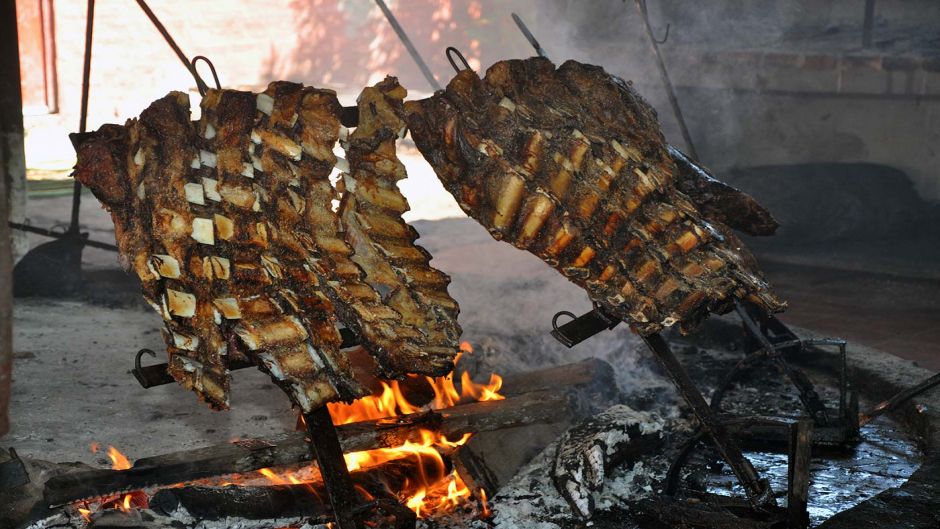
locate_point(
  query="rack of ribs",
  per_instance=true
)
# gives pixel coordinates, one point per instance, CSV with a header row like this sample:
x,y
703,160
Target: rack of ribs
x,y
229,224
570,164
383,243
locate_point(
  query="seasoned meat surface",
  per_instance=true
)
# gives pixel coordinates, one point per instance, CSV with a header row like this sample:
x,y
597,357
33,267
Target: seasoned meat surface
x,y
383,243
570,164
718,201
193,218
230,225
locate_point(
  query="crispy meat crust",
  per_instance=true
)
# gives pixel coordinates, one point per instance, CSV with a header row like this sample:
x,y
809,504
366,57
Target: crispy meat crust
x,y
571,165
229,224
383,243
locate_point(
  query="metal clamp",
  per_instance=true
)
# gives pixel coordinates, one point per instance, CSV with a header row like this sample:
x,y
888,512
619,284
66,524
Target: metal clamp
x,y
582,327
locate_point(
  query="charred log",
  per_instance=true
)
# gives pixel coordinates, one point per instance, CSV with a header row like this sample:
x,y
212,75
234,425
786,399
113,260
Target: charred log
x,y
587,452
249,455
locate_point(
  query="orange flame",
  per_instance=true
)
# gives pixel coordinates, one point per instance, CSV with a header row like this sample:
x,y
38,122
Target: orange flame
x,y
434,489
118,460
427,488
485,513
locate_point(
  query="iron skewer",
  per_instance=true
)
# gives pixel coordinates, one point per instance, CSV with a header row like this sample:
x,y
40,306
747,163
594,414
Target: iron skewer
x,y
403,37
528,35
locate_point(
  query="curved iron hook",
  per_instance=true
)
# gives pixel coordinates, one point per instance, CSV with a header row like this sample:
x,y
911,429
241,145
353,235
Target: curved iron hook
x,y
665,37
452,50
561,313
141,353
203,87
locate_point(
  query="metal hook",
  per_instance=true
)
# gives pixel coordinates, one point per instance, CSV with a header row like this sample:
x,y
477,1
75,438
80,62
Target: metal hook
x,y
665,37
203,87
141,353
139,372
452,50
559,314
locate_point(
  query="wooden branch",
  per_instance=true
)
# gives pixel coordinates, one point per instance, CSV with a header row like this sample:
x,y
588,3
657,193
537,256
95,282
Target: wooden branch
x,y
801,448
275,501
587,375
249,455
251,503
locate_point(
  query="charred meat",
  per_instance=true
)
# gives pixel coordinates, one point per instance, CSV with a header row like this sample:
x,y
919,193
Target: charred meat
x,y
383,243
229,224
570,164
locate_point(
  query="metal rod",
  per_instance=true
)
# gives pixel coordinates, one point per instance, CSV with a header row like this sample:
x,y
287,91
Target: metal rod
x,y
900,398
758,491
12,167
867,23
808,395
664,74
200,84
58,235
529,36
159,375
403,37
325,447
83,112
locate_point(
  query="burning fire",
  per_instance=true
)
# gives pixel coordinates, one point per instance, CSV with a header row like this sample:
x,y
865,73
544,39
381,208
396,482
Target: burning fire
x,y
419,474
434,488
125,502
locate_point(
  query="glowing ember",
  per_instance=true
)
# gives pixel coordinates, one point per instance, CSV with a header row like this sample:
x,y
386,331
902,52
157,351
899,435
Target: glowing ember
x,y
122,502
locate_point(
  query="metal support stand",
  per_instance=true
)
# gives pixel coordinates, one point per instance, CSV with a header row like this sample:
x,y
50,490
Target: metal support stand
x,y
55,268
808,396
758,491
325,447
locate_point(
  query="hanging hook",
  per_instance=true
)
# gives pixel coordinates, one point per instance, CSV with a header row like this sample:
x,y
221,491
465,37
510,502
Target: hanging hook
x,y
559,314
203,87
665,37
454,51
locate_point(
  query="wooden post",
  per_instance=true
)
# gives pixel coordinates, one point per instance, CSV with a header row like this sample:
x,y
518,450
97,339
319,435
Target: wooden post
x,y
12,169
801,448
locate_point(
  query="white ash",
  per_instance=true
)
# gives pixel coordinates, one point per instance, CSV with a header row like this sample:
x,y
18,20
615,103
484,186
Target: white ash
x,y
181,518
589,450
532,499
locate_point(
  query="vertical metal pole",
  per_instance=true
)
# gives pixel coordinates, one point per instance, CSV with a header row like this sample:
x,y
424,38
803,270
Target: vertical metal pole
x,y
670,91
200,84
83,114
868,23
12,168
529,36
403,37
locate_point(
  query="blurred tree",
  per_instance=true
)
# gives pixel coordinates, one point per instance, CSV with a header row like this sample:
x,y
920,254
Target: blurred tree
x,y
348,43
